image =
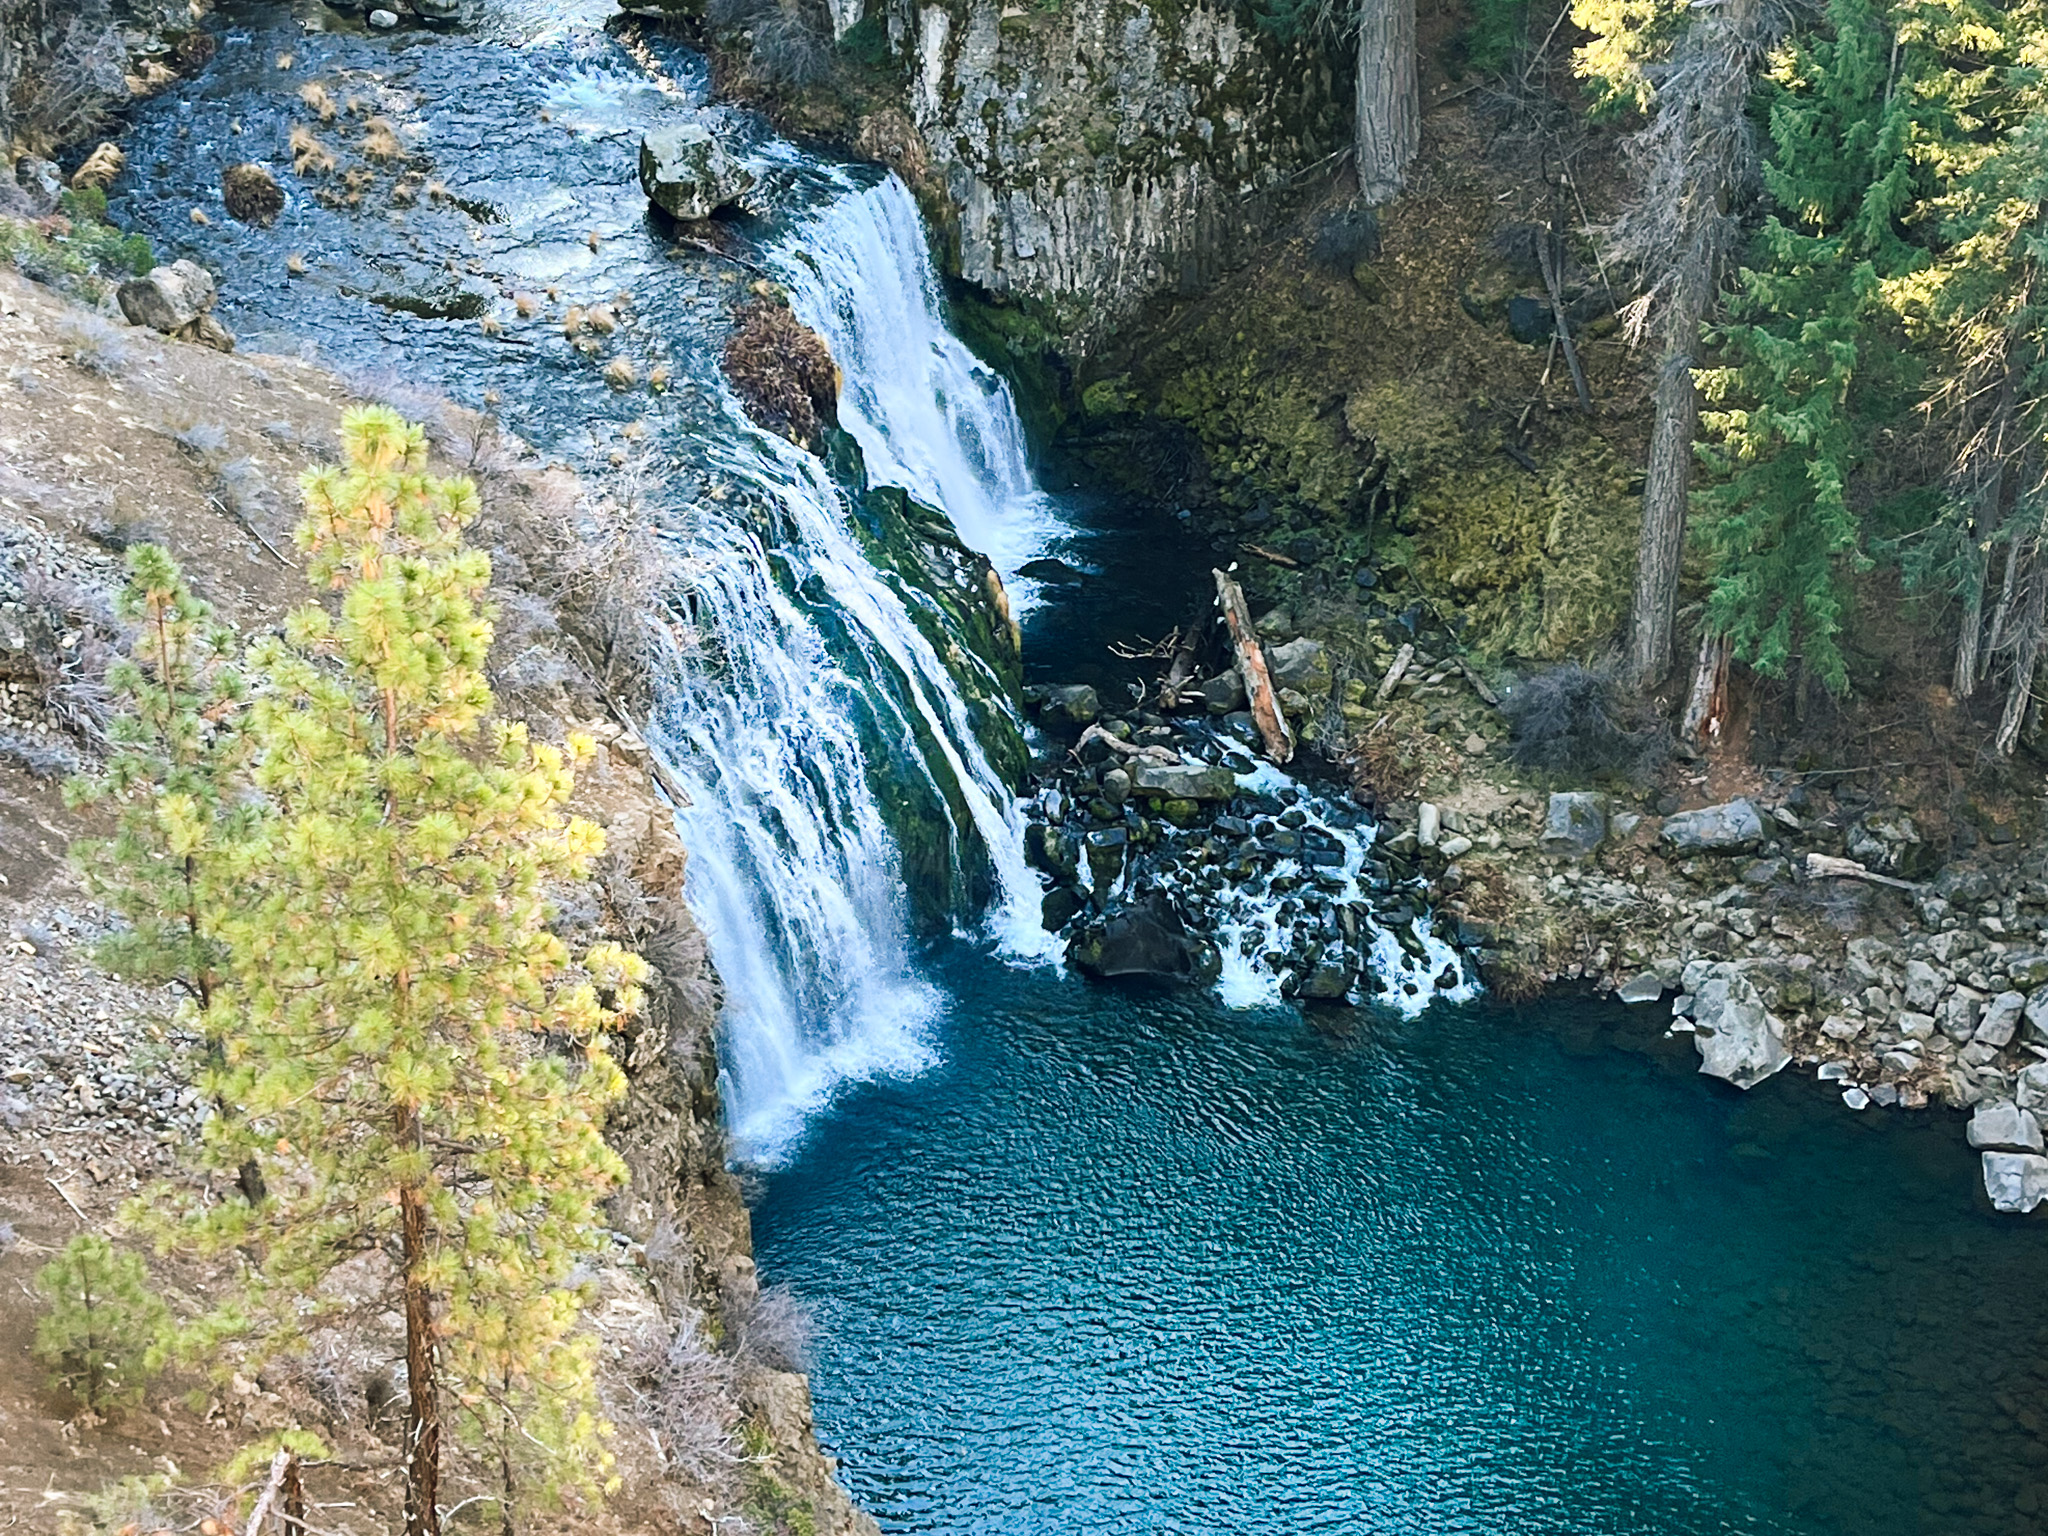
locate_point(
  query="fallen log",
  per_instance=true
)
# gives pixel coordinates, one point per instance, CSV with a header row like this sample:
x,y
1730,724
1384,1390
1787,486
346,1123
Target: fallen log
x,y
1273,556
1165,756
1181,672
1251,666
1825,866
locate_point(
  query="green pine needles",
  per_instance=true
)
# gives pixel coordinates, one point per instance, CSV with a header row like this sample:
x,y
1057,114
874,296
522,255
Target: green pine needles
x,y
102,1325
1807,329
345,861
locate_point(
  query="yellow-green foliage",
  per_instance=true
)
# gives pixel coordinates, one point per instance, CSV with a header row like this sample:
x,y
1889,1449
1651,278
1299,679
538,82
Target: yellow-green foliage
x,y
1265,429
418,1064
101,1324
1540,562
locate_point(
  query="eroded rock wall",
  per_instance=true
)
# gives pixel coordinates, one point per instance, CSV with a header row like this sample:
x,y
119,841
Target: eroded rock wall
x,y
1094,153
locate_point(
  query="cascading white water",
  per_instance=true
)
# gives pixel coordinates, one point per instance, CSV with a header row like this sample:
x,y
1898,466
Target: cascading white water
x,y
773,724
928,415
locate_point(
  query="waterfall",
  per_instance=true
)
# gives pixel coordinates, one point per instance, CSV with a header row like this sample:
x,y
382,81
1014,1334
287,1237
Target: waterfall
x,y
803,685
928,415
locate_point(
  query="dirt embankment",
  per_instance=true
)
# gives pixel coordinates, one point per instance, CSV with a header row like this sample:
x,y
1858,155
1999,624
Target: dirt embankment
x,y
112,436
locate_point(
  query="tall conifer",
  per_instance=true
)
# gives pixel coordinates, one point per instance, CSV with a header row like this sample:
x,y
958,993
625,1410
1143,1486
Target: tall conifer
x,y
415,1061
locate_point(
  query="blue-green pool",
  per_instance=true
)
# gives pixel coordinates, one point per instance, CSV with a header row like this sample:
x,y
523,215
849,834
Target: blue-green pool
x,y
1127,1262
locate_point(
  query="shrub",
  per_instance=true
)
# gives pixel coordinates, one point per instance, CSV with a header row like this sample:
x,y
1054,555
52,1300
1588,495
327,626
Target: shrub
x,y
101,1324
1574,719
783,372
251,194
92,344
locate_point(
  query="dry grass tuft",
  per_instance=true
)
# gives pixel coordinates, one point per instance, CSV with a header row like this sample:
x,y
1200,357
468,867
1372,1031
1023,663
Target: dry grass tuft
x,y
318,102
381,141
310,157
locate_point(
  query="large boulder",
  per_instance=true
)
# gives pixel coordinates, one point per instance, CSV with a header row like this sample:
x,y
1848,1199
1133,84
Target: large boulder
x,y
1575,825
1141,941
170,298
1174,782
687,173
1715,829
2015,1181
1733,1030
1999,1125
1073,703
1303,665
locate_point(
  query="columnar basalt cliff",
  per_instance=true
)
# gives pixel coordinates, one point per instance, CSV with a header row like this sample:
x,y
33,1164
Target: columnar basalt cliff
x,y
1092,155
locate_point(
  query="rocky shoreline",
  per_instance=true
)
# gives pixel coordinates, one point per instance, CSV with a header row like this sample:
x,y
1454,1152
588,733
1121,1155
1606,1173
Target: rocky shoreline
x,y
1803,923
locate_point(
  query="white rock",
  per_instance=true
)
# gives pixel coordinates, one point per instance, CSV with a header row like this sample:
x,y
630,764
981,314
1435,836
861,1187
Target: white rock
x,y
1735,1037
383,21
2015,1181
1428,823
1924,986
2002,1126
1855,1098
2001,1019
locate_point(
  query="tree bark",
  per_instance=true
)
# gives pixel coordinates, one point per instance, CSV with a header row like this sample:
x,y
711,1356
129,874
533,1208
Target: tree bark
x,y
1667,486
1251,663
423,1406
1387,114
2026,660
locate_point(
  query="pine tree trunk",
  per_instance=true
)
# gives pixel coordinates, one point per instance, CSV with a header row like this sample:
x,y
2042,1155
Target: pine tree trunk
x,y
423,1406
1387,117
2026,660
1667,487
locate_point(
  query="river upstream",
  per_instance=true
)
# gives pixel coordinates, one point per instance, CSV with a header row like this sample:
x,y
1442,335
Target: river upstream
x,y
1088,1258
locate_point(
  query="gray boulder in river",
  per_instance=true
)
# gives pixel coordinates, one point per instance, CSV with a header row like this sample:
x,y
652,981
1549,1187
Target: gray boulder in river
x,y
687,173
1733,1031
1999,1125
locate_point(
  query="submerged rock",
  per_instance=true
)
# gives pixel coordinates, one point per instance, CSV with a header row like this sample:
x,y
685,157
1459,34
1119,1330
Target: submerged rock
x,y
688,174
1733,1029
1717,828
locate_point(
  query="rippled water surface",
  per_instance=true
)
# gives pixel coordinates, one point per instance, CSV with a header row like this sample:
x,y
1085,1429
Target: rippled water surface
x,y
1128,1262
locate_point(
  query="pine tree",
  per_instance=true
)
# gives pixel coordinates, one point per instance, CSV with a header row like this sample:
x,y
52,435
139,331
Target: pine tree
x,y
417,1065
1983,302
1808,317
103,1321
176,746
1693,68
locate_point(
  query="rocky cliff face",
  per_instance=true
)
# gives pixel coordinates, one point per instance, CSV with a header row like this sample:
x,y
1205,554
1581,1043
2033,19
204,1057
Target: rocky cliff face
x,y
1093,153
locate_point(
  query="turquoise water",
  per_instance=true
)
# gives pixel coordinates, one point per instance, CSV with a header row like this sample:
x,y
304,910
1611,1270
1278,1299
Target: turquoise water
x,y
1126,1262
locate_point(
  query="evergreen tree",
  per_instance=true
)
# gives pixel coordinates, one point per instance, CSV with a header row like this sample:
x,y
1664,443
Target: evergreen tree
x,y
1806,316
1982,307
176,746
103,1321
418,1066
